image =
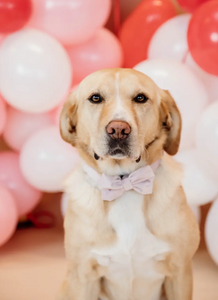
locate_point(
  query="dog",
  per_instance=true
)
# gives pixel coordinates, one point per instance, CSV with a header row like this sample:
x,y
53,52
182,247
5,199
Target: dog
x,y
129,232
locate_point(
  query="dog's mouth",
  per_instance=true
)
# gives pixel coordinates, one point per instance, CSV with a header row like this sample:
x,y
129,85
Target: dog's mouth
x,y
118,148
117,153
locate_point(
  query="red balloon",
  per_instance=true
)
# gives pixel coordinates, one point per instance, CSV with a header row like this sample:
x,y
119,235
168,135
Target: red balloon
x,y
203,37
139,27
191,5
14,14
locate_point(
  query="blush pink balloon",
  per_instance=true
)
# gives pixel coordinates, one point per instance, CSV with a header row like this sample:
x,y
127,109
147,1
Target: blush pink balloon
x,y
70,21
26,196
56,112
21,125
8,215
102,51
1,37
3,114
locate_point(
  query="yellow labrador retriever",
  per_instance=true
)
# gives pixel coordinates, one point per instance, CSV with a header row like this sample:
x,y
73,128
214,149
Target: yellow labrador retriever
x,y
129,233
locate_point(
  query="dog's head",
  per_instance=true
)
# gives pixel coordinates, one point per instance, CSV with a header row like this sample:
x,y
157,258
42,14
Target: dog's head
x,y
119,117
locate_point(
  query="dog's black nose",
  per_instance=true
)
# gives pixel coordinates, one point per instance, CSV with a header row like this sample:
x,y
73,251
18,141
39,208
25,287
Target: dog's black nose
x,y
118,129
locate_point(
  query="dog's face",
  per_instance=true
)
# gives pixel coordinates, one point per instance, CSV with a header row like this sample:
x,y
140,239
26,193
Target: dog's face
x,y
121,114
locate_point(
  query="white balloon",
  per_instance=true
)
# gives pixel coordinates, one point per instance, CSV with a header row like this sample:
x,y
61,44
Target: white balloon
x,y
211,232
197,212
187,90
199,189
35,71
46,160
64,203
207,141
210,81
170,39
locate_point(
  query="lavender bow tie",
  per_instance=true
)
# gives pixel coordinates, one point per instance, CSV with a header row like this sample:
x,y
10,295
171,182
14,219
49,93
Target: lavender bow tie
x,y
113,187
140,180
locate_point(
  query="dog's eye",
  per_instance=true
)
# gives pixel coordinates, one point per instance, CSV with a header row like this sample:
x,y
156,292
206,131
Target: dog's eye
x,y
96,98
140,98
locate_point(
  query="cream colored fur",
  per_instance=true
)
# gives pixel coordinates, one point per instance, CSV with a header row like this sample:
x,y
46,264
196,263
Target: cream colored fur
x,y
135,247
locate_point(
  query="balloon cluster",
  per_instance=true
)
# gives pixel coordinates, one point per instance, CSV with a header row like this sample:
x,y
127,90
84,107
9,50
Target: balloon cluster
x,y
46,48
49,46
181,55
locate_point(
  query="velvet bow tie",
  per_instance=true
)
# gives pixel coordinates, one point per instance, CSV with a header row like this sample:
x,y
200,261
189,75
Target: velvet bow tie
x,y
112,187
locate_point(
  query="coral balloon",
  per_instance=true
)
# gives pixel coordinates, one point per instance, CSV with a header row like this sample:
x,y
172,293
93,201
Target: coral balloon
x,y
8,215
3,115
207,141
140,26
127,6
21,125
100,52
210,81
37,67
46,160
191,5
14,14
203,37
211,233
188,91
26,197
170,39
70,21
199,189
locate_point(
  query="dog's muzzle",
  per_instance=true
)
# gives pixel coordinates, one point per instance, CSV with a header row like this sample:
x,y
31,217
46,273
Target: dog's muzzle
x,y
118,138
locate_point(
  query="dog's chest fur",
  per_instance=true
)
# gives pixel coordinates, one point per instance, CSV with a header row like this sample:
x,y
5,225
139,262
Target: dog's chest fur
x,y
136,251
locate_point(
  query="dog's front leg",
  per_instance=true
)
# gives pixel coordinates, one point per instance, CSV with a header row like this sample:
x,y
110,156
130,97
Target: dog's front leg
x,y
179,285
73,288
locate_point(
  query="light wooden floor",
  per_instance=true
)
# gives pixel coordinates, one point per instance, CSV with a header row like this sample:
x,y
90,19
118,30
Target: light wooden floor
x,y
32,266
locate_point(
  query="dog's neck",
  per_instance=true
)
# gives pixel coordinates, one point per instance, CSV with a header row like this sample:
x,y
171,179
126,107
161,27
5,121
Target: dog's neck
x,y
112,187
112,167
94,173
118,167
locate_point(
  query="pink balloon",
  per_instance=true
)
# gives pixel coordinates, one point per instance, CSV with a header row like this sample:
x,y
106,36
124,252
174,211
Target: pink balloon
x,y
57,111
1,38
2,115
102,51
8,215
70,21
21,125
26,196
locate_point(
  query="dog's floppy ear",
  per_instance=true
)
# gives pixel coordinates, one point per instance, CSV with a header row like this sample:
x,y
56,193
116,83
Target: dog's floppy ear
x,y
171,122
68,119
